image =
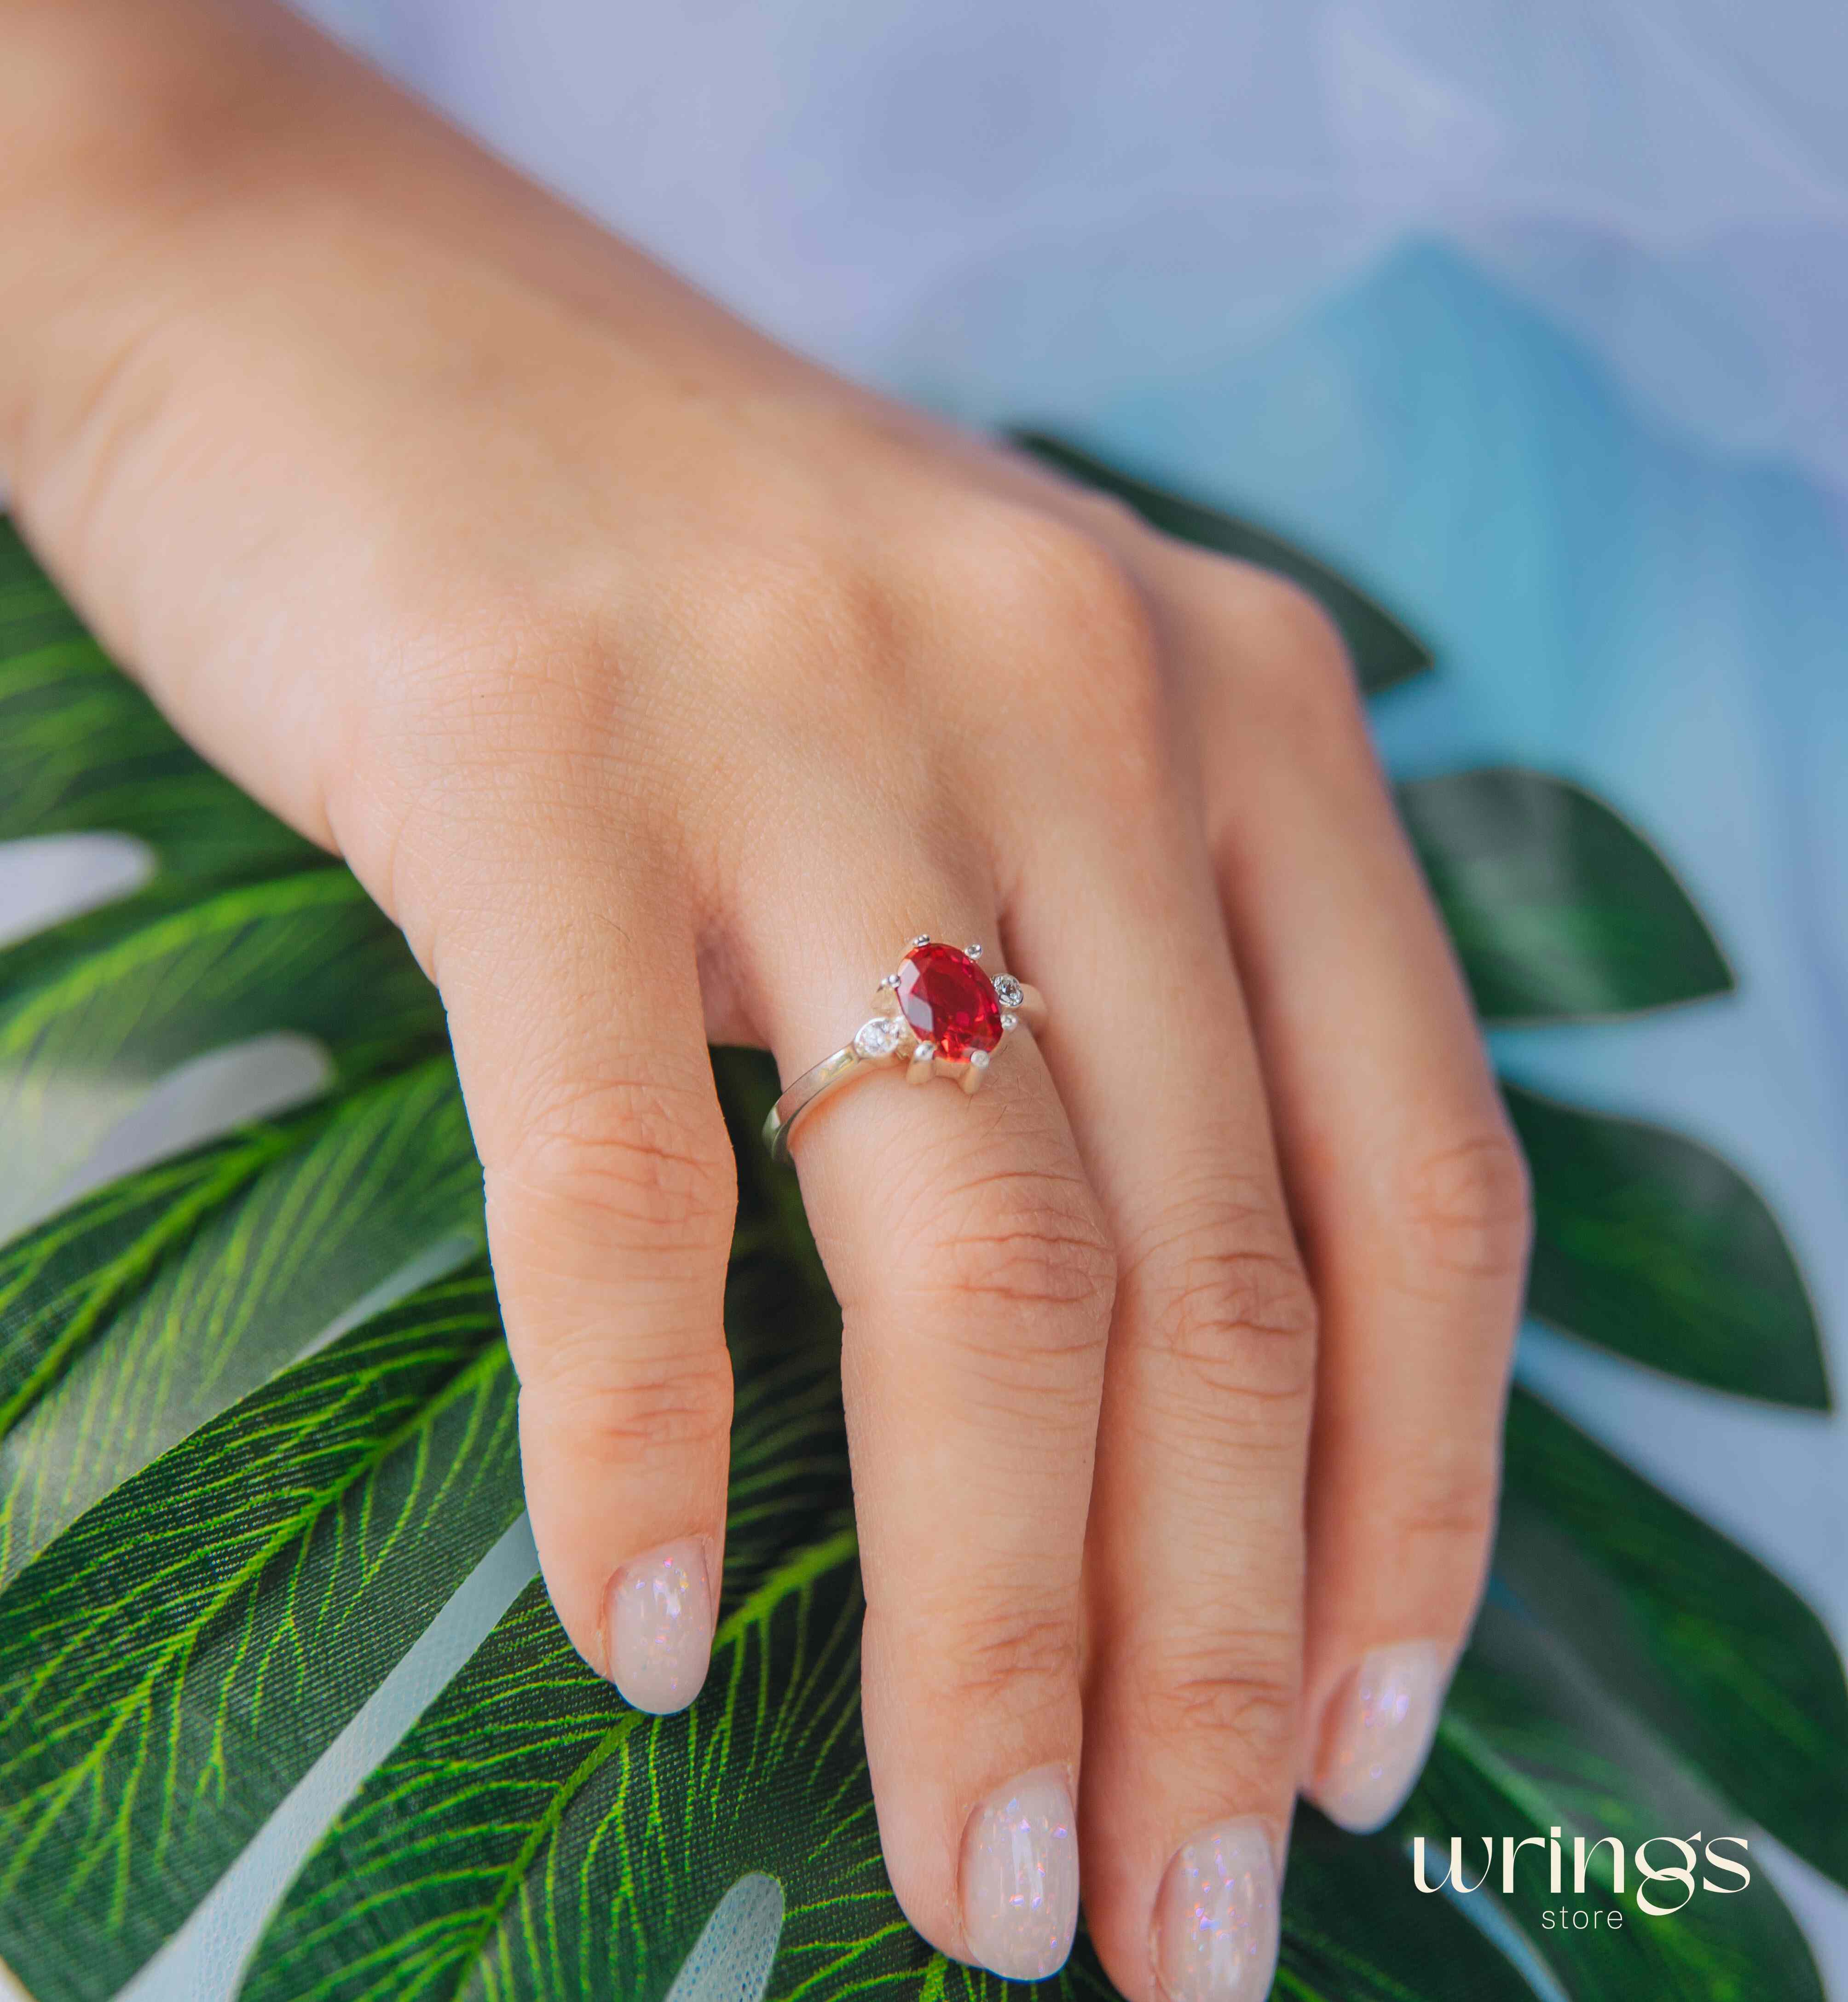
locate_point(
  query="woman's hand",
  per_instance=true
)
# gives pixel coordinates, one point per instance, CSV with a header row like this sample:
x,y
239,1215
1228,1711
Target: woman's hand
x,y
660,687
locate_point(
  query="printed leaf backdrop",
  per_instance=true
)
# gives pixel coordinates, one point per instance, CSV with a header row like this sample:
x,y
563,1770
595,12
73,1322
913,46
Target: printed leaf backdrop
x,y
231,1496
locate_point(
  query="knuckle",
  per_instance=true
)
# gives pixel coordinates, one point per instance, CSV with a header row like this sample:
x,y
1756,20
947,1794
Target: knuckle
x,y
643,1163
1004,1658
626,1410
1447,1508
497,716
1295,625
1226,1307
1467,1207
1007,1280
1112,519
1047,574
1280,621
1240,1690
1075,604
1021,1241
808,594
1296,661
1232,1296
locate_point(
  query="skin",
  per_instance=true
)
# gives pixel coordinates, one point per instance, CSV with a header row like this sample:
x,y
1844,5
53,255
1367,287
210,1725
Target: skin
x,y
659,686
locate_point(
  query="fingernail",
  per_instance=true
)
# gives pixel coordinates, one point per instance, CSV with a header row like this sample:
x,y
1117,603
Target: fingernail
x,y
1019,1878
1216,1917
1378,1734
659,1625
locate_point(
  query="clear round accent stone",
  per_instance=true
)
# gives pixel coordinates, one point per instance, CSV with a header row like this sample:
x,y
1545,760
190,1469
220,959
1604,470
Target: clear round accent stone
x,y
978,1059
1008,992
879,1038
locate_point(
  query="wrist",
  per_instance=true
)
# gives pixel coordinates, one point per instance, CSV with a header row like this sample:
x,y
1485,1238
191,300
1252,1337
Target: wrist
x,y
119,99
128,127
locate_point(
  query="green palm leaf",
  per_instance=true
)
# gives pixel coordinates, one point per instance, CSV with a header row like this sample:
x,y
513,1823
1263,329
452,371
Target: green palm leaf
x,y
127,771
152,1713
58,1283
1558,909
1526,1745
533,1836
86,750
521,1823
1351,1932
388,1178
1658,1250
32,613
1687,1630
92,1016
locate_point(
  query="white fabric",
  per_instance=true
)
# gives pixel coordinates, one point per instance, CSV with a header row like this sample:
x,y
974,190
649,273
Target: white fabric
x,y
1668,178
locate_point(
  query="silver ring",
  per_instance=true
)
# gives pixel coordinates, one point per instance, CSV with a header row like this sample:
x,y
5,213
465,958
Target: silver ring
x,y
941,1015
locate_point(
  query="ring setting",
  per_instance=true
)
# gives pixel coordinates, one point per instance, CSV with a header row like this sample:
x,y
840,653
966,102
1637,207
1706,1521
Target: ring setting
x,y
940,1015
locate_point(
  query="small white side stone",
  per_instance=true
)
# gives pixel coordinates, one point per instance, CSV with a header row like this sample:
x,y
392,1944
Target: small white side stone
x,y
879,1038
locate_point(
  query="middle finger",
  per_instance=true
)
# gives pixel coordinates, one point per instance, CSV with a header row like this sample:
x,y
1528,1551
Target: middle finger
x,y
1195,1556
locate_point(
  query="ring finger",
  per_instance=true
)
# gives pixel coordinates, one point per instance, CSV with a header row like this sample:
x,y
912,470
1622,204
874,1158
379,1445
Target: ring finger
x,y
975,1278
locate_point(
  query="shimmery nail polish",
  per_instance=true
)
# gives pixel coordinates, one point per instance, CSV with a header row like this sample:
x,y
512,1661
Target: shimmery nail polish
x,y
1019,1877
1216,1917
1377,1734
659,1626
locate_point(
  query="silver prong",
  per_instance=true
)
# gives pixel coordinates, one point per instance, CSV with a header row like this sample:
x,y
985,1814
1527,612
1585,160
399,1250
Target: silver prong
x,y
974,951
923,938
974,1070
1009,1022
891,980
923,1063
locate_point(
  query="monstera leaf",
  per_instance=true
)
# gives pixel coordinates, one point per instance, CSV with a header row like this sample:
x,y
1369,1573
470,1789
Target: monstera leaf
x,y
1682,1626
152,1715
346,1193
1557,908
1658,1250
1527,1744
255,1428
85,749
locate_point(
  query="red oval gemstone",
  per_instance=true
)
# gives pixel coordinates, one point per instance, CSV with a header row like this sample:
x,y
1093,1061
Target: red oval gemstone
x,y
949,1001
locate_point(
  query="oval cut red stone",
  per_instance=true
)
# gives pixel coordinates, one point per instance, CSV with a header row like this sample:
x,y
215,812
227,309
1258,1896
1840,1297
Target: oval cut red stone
x,y
949,1001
